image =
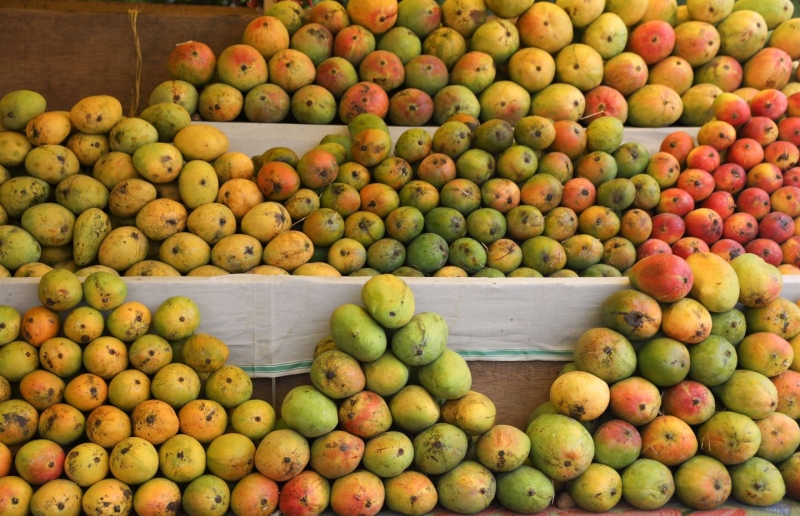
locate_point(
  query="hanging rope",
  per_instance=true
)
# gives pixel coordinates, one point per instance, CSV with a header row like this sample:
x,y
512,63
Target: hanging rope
x,y
133,15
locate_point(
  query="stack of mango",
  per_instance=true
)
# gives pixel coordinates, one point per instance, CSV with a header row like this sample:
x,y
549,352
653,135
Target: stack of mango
x,y
649,63
158,195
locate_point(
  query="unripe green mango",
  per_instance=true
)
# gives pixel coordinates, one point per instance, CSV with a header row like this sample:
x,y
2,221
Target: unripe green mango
x,y
357,333
389,300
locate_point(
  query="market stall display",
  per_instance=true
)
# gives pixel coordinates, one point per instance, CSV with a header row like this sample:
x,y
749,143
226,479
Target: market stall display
x,y
651,64
408,265
386,393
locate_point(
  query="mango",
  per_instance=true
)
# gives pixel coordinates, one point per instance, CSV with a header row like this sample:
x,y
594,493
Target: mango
x,y
19,247
715,284
389,300
774,12
20,107
357,333
422,340
122,248
167,118
759,282
413,409
447,377
50,128
779,316
52,163
17,194
439,448
307,411
96,114
474,413
79,193
60,290
654,105
14,147
201,141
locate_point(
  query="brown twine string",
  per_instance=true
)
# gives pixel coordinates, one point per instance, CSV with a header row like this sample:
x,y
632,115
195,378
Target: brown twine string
x,y
133,15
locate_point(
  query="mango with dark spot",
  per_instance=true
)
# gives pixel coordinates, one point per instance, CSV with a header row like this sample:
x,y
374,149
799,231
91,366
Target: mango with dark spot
x,y
314,40
410,493
757,481
129,388
181,93
39,461
635,315
580,395
474,413
503,448
524,490
49,128
360,492
60,290
336,454
49,223
33,269
105,357
96,114
87,392
237,253
230,386
307,493
18,422
468,488
464,16
86,464
167,118
505,101
598,489
453,100
42,389
10,321
18,107
176,385
39,324
17,194
388,454
133,461
157,496
253,419
498,38
14,148
737,23
56,496
106,496
282,455
154,421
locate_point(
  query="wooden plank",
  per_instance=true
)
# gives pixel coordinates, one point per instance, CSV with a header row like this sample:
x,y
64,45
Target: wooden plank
x,y
69,50
516,388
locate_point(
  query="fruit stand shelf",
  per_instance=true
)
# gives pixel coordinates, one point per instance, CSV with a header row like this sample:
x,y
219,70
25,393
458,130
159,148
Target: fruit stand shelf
x,y
253,139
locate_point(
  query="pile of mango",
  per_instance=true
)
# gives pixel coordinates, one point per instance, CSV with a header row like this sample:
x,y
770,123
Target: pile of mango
x,y
649,63
165,197
109,408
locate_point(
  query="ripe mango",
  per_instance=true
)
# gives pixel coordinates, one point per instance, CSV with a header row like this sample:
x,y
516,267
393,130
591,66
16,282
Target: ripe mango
x,y
715,284
759,282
